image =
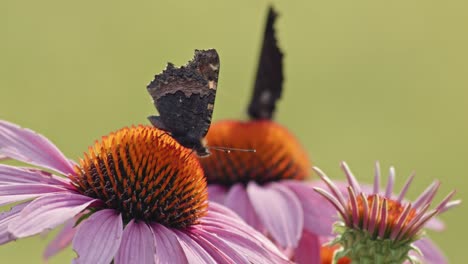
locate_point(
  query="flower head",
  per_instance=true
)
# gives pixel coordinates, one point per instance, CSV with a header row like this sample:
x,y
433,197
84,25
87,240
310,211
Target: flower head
x,y
137,196
379,227
266,188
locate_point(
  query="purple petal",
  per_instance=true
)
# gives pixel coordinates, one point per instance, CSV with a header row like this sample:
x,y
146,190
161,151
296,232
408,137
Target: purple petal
x,y
62,240
435,224
48,212
225,221
216,193
280,211
390,183
5,219
17,175
15,193
167,246
27,146
214,207
431,253
319,215
193,251
351,178
137,244
238,201
238,247
220,250
376,188
308,250
98,238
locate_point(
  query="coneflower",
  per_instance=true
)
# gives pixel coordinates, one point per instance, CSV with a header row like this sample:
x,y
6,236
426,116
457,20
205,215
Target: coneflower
x,y
137,196
380,227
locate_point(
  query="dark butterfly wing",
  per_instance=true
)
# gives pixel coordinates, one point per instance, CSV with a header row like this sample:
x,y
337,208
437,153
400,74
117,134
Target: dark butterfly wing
x,y
269,81
184,97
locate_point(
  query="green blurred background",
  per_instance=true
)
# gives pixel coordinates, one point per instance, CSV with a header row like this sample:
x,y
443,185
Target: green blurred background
x,y
365,80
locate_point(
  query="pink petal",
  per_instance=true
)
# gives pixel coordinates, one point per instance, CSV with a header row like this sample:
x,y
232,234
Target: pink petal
x,y
48,212
280,211
222,219
216,193
214,207
15,193
137,244
319,216
308,250
168,247
220,252
431,253
62,240
435,224
17,175
5,219
234,245
194,252
27,146
98,238
238,201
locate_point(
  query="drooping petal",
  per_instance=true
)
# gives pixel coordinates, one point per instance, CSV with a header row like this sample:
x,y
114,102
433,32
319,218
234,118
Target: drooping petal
x,y
62,240
431,253
137,244
238,201
236,246
220,251
167,246
48,212
220,217
17,175
280,211
217,193
6,218
98,238
308,250
27,146
193,251
319,215
16,193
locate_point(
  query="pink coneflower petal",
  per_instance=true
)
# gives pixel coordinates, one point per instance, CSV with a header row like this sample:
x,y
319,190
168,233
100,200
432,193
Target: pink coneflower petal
x,y
217,193
48,212
238,201
16,193
285,228
318,216
221,251
17,175
25,145
167,246
193,251
6,218
220,216
390,183
309,242
137,244
62,240
235,247
432,254
98,238
351,178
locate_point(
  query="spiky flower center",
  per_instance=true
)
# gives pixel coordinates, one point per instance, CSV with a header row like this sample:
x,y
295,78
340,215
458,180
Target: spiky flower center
x,y
278,155
394,211
145,174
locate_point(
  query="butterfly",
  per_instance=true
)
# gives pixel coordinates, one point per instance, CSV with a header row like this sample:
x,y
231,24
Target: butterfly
x,y
269,81
184,98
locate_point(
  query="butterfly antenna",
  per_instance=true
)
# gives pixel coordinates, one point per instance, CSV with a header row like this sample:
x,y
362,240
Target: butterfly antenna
x,y
228,150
